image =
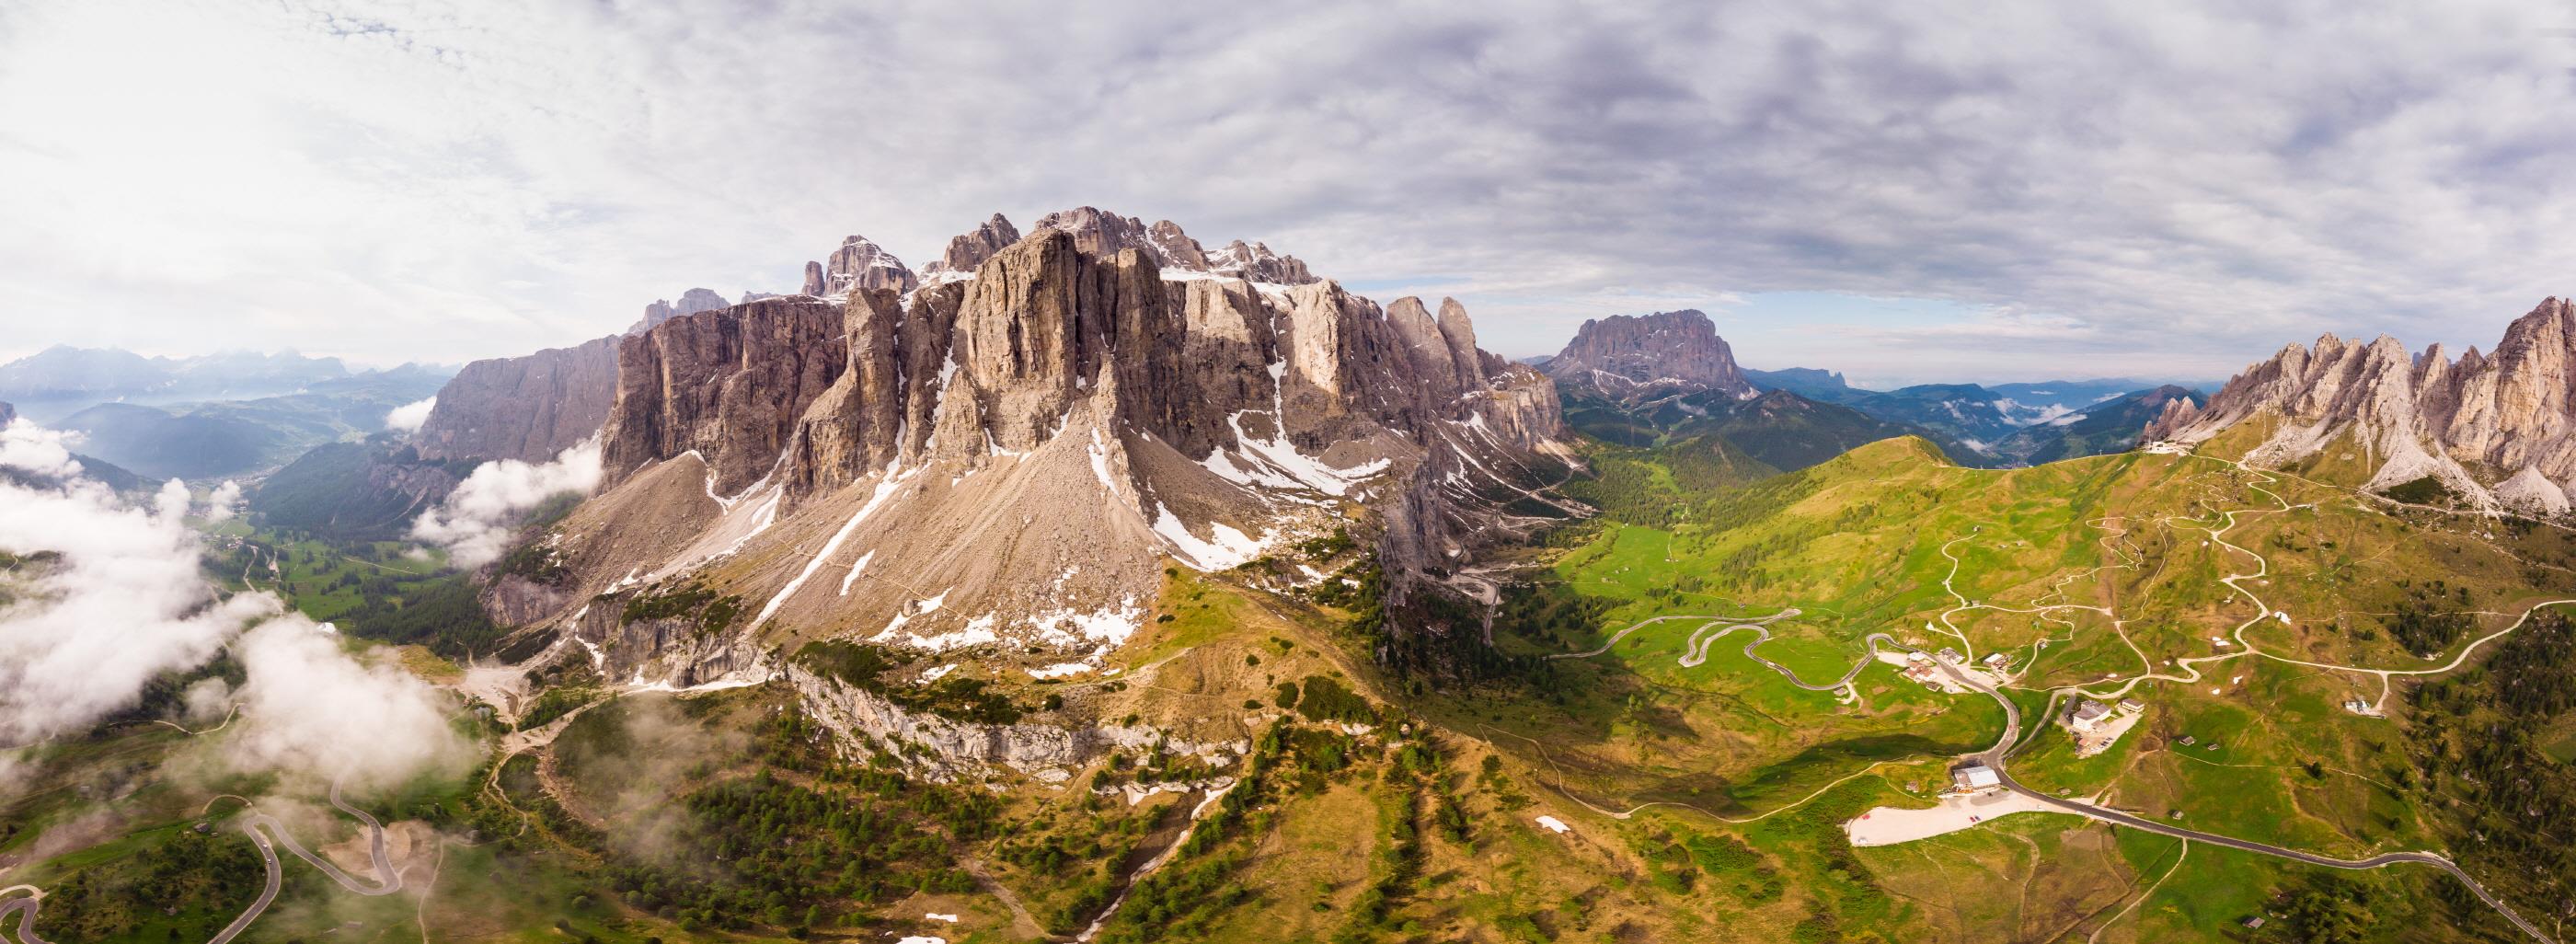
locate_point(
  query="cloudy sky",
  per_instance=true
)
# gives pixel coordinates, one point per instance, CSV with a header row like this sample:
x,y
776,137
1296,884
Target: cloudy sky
x,y
1973,191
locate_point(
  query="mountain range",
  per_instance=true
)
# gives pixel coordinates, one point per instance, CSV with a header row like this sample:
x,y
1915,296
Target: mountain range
x,y
889,464
1636,380
60,380
2488,431
210,417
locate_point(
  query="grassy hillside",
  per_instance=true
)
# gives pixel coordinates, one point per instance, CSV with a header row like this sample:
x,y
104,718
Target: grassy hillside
x,y
355,491
2087,574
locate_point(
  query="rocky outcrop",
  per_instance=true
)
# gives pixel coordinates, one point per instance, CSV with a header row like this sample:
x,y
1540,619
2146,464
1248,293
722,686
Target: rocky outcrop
x,y
526,408
691,302
2499,428
858,264
969,250
1633,358
2177,414
729,385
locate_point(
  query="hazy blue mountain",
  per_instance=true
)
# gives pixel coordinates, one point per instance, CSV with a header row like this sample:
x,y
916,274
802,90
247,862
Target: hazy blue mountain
x,y
1811,383
61,380
234,438
2111,425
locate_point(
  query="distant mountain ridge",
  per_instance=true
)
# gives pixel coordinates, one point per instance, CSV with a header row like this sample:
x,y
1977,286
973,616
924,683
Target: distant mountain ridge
x,y
214,439
2113,425
1636,358
61,380
1667,378
2496,431
2001,424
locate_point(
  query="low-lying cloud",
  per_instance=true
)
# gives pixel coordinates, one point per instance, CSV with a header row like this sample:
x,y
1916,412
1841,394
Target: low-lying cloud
x,y
408,417
121,603
104,594
476,521
308,705
224,502
27,447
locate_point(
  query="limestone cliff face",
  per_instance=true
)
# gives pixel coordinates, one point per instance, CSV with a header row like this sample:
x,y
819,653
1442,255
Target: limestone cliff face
x,y
1004,460
2496,428
729,385
526,408
1641,357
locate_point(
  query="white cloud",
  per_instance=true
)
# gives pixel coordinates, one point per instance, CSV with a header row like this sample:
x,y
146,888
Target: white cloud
x,y
28,447
408,417
309,706
122,603
224,502
476,520
108,595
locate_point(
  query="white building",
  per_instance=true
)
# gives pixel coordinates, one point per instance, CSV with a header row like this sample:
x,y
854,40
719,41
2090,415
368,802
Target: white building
x,y
1974,775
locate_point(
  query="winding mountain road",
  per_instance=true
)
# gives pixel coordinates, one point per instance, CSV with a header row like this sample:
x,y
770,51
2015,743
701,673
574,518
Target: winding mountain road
x,y
1994,758
1652,620
260,827
1699,645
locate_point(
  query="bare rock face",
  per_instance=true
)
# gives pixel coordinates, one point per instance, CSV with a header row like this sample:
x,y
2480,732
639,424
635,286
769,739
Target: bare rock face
x,y
691,302
526,408
7,413
2500,428
858,264
968,250
1641,357
726,384
2178,412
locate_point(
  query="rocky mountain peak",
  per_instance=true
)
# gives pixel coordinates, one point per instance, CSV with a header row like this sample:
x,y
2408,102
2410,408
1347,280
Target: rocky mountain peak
x,y
2477,424
691,302
969,249
1632,357
858,263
